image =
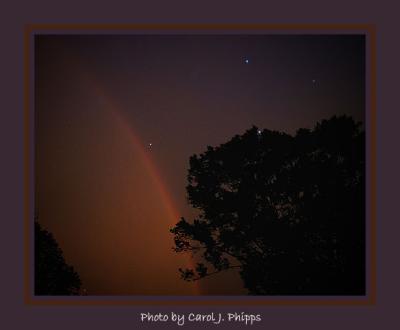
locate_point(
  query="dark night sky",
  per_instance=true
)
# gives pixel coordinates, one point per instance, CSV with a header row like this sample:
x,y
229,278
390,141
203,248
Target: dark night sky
x,y
100,100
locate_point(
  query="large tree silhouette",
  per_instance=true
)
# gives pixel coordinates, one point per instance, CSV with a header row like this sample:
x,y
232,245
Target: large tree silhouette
x,y
287,211
53,276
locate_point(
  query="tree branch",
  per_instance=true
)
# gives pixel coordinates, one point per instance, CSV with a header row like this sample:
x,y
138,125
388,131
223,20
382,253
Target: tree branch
x,y
215,272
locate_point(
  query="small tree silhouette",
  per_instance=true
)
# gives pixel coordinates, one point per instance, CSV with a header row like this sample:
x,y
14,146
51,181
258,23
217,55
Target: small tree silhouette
x,y
287,211
52,275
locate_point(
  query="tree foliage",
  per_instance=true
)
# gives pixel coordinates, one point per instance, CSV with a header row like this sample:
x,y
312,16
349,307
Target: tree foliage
x,y
287,211
53,276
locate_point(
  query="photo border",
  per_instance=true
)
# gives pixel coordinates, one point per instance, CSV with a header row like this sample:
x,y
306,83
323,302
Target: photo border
x,y
370,93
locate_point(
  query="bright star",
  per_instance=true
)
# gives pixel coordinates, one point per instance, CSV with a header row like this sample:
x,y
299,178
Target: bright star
x,y
246,61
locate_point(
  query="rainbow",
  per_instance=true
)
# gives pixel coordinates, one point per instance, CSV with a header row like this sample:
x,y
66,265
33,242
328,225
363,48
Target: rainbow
x,y
138,146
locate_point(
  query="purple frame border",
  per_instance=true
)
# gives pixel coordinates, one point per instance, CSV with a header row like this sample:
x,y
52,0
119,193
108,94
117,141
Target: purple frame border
x,y
370,93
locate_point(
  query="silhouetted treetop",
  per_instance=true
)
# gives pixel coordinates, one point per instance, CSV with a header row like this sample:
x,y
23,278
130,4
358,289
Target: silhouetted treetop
x,y
287,211
53,276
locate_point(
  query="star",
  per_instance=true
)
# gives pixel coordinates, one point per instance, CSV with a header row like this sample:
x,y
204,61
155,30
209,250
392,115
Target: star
x,y
314,81
246,60
150,145
259,132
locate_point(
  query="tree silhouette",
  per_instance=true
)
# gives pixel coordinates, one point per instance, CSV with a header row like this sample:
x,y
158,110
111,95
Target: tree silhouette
x,y
52,275
287,211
